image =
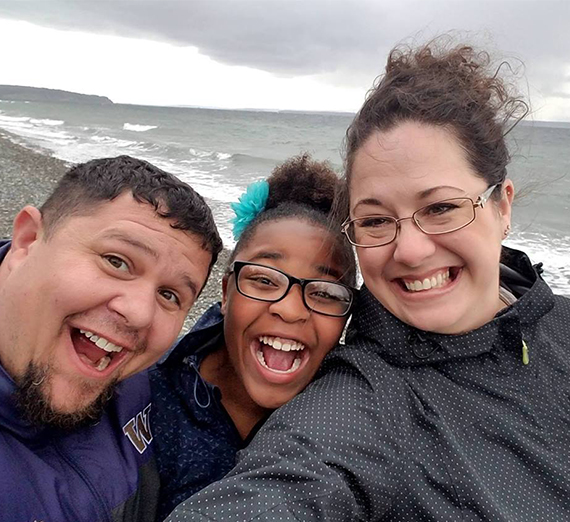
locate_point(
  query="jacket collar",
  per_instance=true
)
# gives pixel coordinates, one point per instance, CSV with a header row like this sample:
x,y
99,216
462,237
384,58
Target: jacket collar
x,y
4,247
204,337
403,345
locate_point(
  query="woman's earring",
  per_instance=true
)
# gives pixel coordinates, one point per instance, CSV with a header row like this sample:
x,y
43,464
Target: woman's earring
x,y
507,231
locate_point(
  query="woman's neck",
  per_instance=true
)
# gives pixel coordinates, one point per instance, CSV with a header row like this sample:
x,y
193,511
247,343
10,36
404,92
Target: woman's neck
x,y
217,369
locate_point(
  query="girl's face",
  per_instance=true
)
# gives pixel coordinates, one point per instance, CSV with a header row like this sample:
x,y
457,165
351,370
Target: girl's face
x,y
276,348
441,283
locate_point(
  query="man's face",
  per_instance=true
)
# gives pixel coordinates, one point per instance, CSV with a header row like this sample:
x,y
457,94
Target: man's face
x,y
101,299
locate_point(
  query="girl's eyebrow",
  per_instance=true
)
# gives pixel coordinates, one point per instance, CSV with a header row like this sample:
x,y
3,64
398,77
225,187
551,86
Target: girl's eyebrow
x,y
321,269
267,255
329,270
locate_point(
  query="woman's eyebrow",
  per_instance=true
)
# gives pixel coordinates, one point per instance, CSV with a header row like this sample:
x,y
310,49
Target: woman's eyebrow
x,y
425,193
369,201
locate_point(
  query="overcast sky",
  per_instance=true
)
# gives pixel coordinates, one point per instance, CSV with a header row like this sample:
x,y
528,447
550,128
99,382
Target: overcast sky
x,y
277,54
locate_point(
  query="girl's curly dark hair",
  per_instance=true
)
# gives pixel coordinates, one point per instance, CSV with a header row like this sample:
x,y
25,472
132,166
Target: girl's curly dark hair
x,y
304,189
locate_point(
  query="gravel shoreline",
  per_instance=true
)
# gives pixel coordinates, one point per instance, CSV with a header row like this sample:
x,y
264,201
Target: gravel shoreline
x,y
27,177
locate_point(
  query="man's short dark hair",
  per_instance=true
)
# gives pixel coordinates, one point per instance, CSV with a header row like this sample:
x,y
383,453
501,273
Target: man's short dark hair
x,y
85,186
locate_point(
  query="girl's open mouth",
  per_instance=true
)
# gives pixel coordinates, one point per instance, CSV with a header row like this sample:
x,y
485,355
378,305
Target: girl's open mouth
x,y
278,354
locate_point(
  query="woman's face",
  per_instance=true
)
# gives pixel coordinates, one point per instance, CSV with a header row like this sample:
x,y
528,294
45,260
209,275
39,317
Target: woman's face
x,y
399,171
255,330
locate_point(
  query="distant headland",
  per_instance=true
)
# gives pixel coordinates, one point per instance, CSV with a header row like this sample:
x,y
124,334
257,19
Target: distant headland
x,y
38,94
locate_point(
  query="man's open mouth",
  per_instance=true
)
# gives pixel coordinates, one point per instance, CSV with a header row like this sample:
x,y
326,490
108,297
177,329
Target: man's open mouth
x,y
278,354
95,350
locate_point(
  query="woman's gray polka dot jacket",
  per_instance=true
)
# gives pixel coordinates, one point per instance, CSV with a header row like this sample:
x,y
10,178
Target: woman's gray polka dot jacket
x,y
403,425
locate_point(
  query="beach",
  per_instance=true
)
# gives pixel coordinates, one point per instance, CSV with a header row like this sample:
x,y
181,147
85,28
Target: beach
x,y
220,152
27,178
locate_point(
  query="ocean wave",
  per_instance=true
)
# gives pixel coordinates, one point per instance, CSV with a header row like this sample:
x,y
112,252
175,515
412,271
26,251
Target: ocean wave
x,y
47,121
552,251
136,127
247,159
14,119
209,154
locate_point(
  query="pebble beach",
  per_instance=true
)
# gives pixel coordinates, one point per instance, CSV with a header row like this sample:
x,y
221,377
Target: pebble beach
x,y
27,178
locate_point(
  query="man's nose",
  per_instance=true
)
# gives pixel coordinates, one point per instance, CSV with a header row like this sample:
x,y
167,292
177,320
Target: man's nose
x,y
136,304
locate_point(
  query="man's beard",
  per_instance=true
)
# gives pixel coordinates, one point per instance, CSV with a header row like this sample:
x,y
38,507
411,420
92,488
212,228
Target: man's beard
x,y
32,397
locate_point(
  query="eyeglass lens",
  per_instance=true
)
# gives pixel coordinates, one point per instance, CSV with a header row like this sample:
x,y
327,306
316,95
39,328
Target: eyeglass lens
x,y
437,218
267,284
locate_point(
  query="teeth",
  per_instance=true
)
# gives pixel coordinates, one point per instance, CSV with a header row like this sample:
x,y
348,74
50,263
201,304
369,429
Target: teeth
x,y
278,343
101,342
294,367
103,363
428,283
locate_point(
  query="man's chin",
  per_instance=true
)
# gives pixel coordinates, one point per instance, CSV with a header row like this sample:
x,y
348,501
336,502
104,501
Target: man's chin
x,y
44,401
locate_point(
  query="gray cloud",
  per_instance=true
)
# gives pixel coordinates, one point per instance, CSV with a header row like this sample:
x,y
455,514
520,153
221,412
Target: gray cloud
x,y
346,42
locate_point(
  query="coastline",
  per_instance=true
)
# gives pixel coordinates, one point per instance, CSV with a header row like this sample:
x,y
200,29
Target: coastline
x,y
27,178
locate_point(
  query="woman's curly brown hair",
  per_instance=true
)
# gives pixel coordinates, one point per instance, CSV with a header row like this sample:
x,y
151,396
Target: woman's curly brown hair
x,y
457,88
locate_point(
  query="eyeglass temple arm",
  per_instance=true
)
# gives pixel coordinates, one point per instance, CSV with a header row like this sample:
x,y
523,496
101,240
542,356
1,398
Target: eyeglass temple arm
x,y
483,198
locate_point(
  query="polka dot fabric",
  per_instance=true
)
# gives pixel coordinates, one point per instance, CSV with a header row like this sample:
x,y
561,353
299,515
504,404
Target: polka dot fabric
x,y
403,425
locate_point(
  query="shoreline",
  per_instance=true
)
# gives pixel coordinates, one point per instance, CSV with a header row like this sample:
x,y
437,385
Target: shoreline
x,y
28,177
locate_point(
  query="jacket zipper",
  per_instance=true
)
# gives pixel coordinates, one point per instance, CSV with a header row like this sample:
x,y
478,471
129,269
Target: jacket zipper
x,y
102,506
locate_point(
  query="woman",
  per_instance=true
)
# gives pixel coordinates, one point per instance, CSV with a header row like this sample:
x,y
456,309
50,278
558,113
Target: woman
x,y
286,299
451,398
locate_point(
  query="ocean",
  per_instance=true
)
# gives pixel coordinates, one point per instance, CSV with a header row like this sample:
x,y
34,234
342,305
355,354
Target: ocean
x,y
219,152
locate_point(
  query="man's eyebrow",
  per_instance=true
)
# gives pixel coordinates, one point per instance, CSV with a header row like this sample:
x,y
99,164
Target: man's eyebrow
x,y
119,236
190,283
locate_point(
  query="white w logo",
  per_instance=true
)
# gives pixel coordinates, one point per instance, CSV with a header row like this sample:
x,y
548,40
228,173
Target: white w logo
x,y
138,430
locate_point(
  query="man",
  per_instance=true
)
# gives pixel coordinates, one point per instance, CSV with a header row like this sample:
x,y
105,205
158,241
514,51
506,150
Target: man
x,y
94,288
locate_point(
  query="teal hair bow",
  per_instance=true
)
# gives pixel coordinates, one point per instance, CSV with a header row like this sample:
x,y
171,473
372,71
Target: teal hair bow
x,y
250,204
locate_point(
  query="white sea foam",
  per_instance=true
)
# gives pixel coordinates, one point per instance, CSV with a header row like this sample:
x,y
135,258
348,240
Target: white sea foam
x,y
208,154
47,121
552,252
12,120
135,127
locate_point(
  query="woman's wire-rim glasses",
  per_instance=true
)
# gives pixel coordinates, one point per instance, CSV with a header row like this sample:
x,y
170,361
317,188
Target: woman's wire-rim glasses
x,y
347,227
237,266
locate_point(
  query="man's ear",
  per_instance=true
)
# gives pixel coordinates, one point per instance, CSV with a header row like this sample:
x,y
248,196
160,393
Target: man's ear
x,y
26,231
224,293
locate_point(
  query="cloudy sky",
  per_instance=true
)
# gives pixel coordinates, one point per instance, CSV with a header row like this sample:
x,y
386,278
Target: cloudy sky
x,y
277,54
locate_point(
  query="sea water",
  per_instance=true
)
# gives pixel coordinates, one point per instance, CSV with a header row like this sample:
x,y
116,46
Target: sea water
x,y
219,152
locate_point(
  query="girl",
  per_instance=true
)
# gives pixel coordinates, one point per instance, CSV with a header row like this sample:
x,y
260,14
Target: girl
x,y
286,298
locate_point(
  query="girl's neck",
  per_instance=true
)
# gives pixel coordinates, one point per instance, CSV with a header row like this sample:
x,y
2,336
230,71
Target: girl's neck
x,y
217,369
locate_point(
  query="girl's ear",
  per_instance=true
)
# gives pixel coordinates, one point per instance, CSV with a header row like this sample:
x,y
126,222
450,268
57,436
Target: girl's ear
x,y
224,293
26,231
